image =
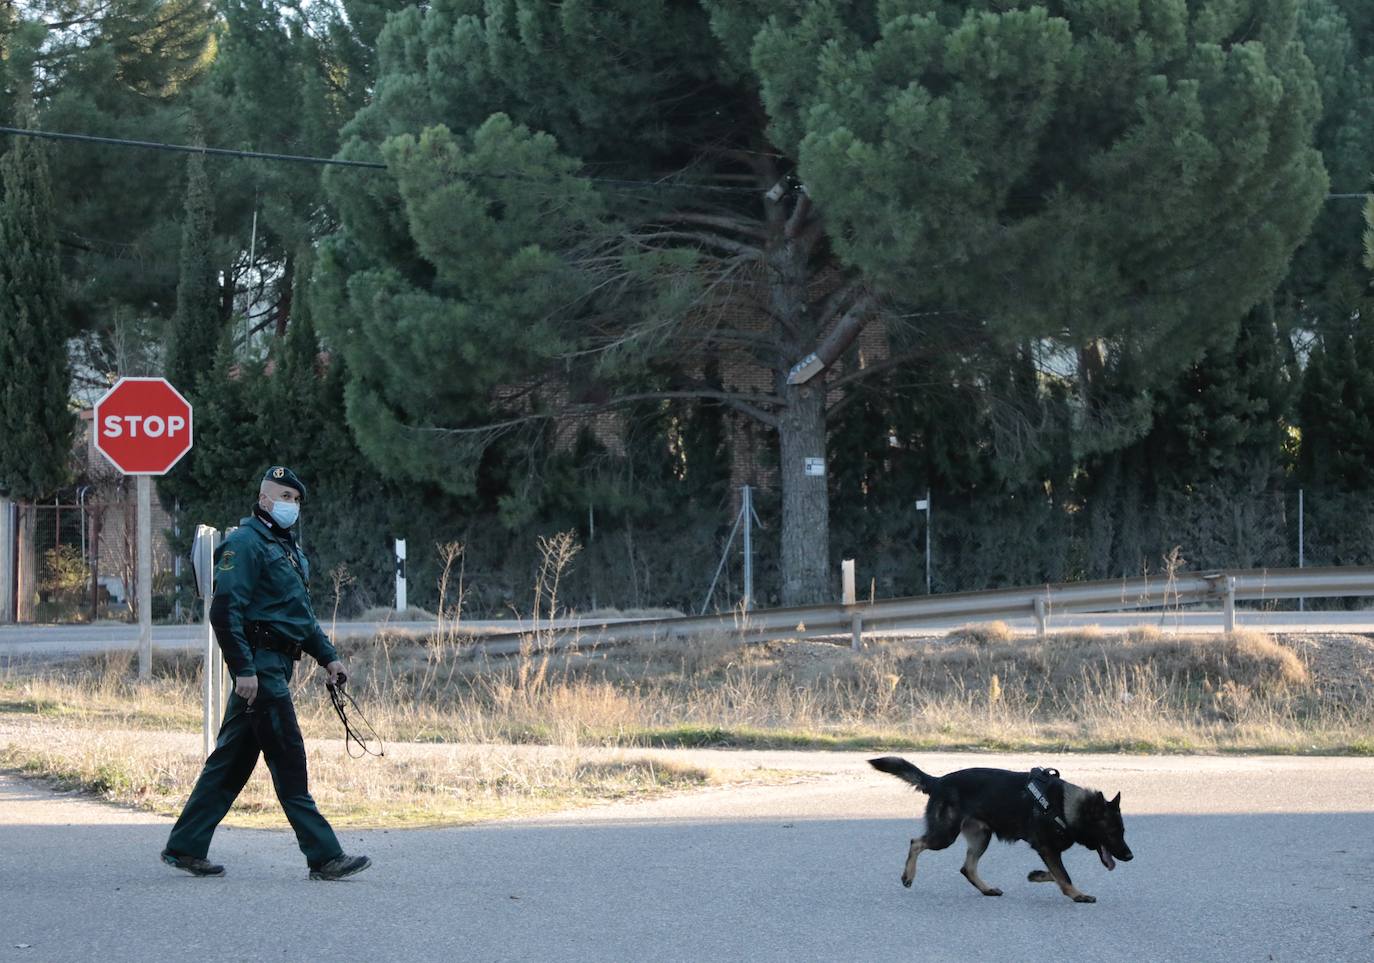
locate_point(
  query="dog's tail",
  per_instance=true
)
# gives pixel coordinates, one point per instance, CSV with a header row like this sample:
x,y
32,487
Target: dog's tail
x,y
899,767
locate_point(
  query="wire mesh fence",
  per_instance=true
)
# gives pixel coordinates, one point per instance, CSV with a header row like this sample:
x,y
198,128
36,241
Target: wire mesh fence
x,y
84,557
78,556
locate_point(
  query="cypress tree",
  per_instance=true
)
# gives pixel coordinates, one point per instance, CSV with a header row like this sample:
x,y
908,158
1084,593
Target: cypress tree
x,y
36,422
1225,422
196,325
1337,413
1336,452
1217,453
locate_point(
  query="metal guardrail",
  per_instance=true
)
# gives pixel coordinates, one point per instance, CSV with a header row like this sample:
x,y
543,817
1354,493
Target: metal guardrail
x,y
1041,602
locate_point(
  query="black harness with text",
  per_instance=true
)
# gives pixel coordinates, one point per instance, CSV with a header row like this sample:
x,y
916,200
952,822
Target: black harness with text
x,y
1038,787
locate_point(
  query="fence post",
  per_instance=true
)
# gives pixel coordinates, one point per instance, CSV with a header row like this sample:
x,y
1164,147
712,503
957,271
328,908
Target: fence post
x,y
1301,546
1229,605
176,563
95,563
7,538
723,556
25,561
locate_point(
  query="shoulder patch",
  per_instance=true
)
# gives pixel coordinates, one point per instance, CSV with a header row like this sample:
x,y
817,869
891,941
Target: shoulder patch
x,y
226,561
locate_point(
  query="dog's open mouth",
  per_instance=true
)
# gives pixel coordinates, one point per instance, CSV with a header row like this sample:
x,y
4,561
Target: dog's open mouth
x,y
1107,860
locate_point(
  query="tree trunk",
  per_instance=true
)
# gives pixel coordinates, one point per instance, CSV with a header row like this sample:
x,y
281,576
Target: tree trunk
x,y
805,498
288,289
801,420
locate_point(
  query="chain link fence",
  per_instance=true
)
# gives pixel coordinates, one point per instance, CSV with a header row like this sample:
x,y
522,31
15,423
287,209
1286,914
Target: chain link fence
x,y
83,555
1194,530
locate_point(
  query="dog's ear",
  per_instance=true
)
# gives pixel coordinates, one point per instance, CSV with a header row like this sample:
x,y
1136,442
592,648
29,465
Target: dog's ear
x,y
1116,802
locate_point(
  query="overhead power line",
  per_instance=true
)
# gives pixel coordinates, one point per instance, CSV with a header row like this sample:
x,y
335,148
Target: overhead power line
x,y
187,148
340,162
374,165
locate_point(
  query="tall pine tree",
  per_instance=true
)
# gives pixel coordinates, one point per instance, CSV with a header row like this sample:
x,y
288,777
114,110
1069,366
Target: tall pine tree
x,y
1080,172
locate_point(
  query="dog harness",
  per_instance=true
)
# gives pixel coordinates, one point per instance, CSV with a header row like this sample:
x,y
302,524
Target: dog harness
x,y
1037,791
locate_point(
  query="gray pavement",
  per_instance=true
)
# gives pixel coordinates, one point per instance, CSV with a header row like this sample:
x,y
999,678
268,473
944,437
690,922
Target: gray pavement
x,y
1237,858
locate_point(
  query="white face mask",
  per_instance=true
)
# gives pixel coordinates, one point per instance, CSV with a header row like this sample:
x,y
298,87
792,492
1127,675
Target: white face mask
x,y
285,513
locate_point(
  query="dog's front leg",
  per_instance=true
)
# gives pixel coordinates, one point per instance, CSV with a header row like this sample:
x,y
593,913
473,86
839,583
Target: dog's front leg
x,y
978,835
1061,876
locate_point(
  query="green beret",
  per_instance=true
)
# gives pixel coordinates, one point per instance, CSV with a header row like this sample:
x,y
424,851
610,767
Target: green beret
x,y
281,475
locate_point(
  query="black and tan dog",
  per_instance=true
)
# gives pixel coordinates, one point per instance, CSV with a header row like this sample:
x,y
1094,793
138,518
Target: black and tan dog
x,y
1037,807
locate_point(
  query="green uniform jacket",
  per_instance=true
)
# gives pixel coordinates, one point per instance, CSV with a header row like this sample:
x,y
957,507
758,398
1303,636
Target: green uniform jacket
x,y
255,581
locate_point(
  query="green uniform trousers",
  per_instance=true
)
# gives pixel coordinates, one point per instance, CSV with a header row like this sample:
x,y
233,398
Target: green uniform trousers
x,y
268,727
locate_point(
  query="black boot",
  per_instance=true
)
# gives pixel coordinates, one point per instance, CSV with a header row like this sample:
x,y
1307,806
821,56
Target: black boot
x,y
340,866
191,864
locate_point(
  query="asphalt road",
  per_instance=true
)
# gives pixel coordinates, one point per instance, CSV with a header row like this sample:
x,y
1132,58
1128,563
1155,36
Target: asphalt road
x,y
25,640
1236,859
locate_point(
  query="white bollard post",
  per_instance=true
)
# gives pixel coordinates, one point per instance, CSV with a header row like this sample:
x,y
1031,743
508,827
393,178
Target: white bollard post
x,y
203,560
400,575
1228,609
847,578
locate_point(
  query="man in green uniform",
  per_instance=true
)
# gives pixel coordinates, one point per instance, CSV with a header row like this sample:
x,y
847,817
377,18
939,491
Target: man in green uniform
x,y
263,620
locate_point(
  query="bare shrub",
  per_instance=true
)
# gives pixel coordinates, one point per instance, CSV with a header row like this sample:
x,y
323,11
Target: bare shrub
x,y
983,633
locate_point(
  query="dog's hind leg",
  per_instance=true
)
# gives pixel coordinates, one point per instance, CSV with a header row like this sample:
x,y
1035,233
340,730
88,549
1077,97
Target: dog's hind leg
x,y
942,828
1061,876
918,846
978,835
1040,876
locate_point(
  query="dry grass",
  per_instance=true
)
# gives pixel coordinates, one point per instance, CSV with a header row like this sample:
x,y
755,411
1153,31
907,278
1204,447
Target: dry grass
x,y
415,786
1146,691
474,724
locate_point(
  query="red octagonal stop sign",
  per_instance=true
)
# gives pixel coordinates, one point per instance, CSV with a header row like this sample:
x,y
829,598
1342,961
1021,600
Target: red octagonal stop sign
x,y
143,426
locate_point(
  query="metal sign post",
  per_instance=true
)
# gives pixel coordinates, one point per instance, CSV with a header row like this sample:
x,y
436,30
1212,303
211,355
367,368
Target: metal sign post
x,y
145,576
143,427
747,511
923,505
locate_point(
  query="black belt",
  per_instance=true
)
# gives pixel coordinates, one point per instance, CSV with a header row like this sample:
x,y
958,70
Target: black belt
x,y
261,635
